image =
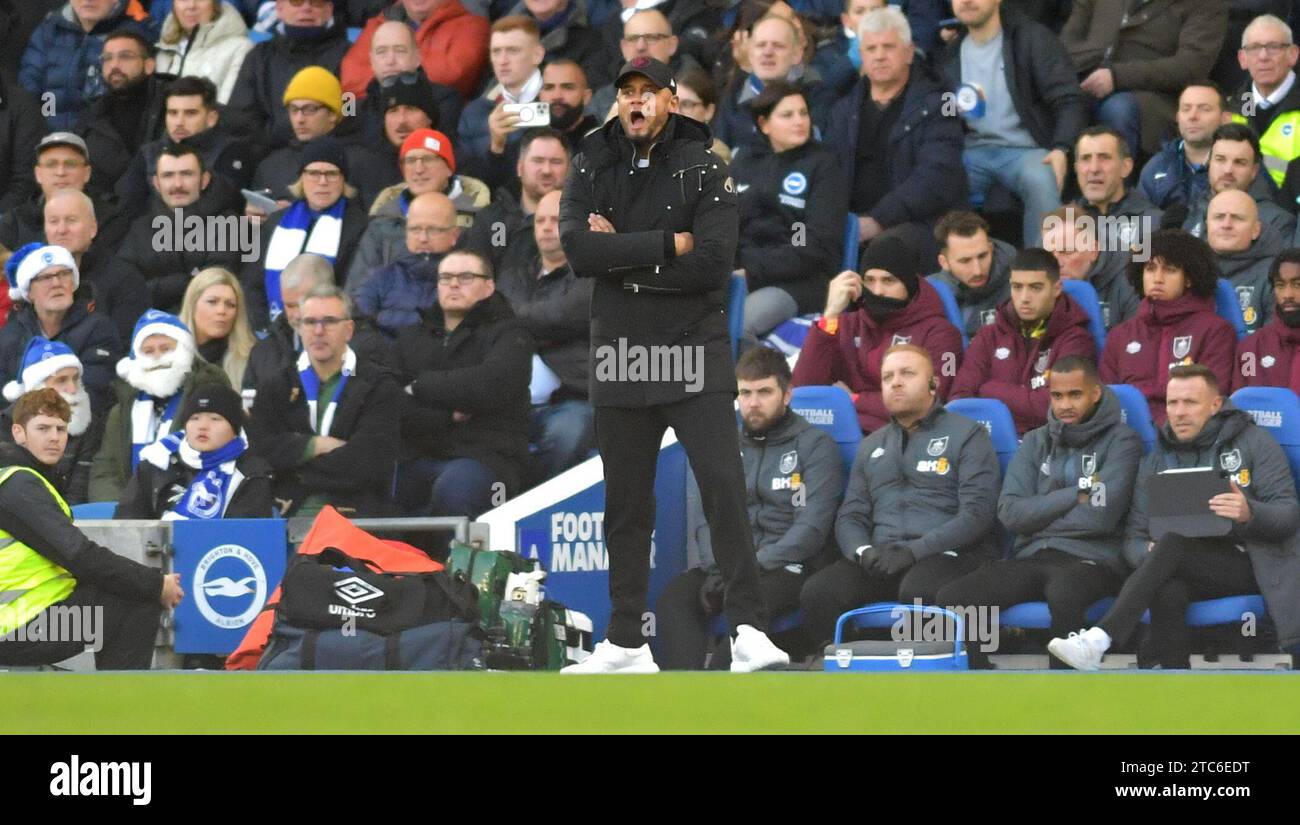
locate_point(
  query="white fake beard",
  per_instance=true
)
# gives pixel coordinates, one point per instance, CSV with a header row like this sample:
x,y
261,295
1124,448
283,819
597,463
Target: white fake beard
x,y
80,403
160,377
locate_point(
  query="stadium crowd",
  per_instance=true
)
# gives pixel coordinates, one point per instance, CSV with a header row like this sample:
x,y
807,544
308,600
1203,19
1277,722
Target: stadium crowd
x,y
287,254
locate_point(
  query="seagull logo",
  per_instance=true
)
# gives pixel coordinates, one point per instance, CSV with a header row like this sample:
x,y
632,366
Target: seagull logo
x,y
226,586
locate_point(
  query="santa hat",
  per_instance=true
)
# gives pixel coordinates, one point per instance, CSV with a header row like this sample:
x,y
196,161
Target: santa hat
x,y
33,259
155,322
41,359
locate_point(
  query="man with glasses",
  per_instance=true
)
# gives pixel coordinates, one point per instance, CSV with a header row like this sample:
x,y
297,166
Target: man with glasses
x,y
62,162
314,103
306,35
395,295
43,282
428,164
129,115
326,423
62,54
465,370
646,33
1270,102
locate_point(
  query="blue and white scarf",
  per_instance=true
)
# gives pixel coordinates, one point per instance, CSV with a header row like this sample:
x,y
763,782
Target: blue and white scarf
x,y
210,490
311,389
146,426
290,239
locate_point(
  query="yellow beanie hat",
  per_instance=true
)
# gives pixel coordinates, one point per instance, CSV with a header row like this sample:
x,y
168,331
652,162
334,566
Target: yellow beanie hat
x,y
318,84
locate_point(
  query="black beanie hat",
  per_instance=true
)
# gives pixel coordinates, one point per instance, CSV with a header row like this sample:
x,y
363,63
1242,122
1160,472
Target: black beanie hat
x,y
324,149
411,90
895,257
214,398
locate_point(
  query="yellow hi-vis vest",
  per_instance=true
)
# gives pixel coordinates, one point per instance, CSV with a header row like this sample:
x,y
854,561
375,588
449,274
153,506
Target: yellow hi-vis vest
x,y
1280,143
29,582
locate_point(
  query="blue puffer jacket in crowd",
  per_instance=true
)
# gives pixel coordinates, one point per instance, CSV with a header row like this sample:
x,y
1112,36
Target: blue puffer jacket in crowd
x,y
1166,179
63,59
395,294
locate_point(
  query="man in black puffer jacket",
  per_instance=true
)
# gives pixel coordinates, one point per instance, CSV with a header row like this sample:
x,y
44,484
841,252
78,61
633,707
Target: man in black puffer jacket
x,y
465,369
650,212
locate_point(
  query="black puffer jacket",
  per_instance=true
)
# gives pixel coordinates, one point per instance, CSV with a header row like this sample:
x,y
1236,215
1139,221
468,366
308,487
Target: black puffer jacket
x,y
555,309
21,128
480,369
646,295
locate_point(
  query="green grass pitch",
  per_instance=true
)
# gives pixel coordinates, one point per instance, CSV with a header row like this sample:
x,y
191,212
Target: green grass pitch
x,y
1034,702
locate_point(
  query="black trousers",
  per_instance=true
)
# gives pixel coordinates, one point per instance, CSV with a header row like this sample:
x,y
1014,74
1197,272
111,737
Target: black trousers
x,y
1177,572
1067,583
126,629
682,623
628,439
844,585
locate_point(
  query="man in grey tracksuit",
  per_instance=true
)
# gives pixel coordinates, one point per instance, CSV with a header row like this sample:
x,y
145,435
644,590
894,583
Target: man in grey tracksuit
x,y
794,477
920,506
1064,497
975,267
1260,553
1074,243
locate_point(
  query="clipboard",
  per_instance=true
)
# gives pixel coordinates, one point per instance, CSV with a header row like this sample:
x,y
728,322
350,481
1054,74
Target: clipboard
x,y
1178,501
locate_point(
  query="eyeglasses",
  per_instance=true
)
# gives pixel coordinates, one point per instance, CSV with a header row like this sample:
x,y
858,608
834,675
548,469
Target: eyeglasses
x,y
422,231
323,175
56,275
462,278
328,322
688,105
65,165
648,39
308,109
1269,48
315,4
420,160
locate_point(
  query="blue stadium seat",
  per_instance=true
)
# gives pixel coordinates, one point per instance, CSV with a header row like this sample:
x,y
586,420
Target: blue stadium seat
x,y
1228,610
1228,306
736,292
1276,409
850,258
950,308
94,510
258,37
1036,615
1135,412
353,33
1083,294
831,409
996,418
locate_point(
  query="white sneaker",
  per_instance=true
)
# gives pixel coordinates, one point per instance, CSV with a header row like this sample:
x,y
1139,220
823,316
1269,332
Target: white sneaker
x,y
1080,650
610,658
751,650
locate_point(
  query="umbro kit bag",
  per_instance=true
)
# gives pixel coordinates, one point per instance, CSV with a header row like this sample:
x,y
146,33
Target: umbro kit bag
x,y
895,656
336,613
